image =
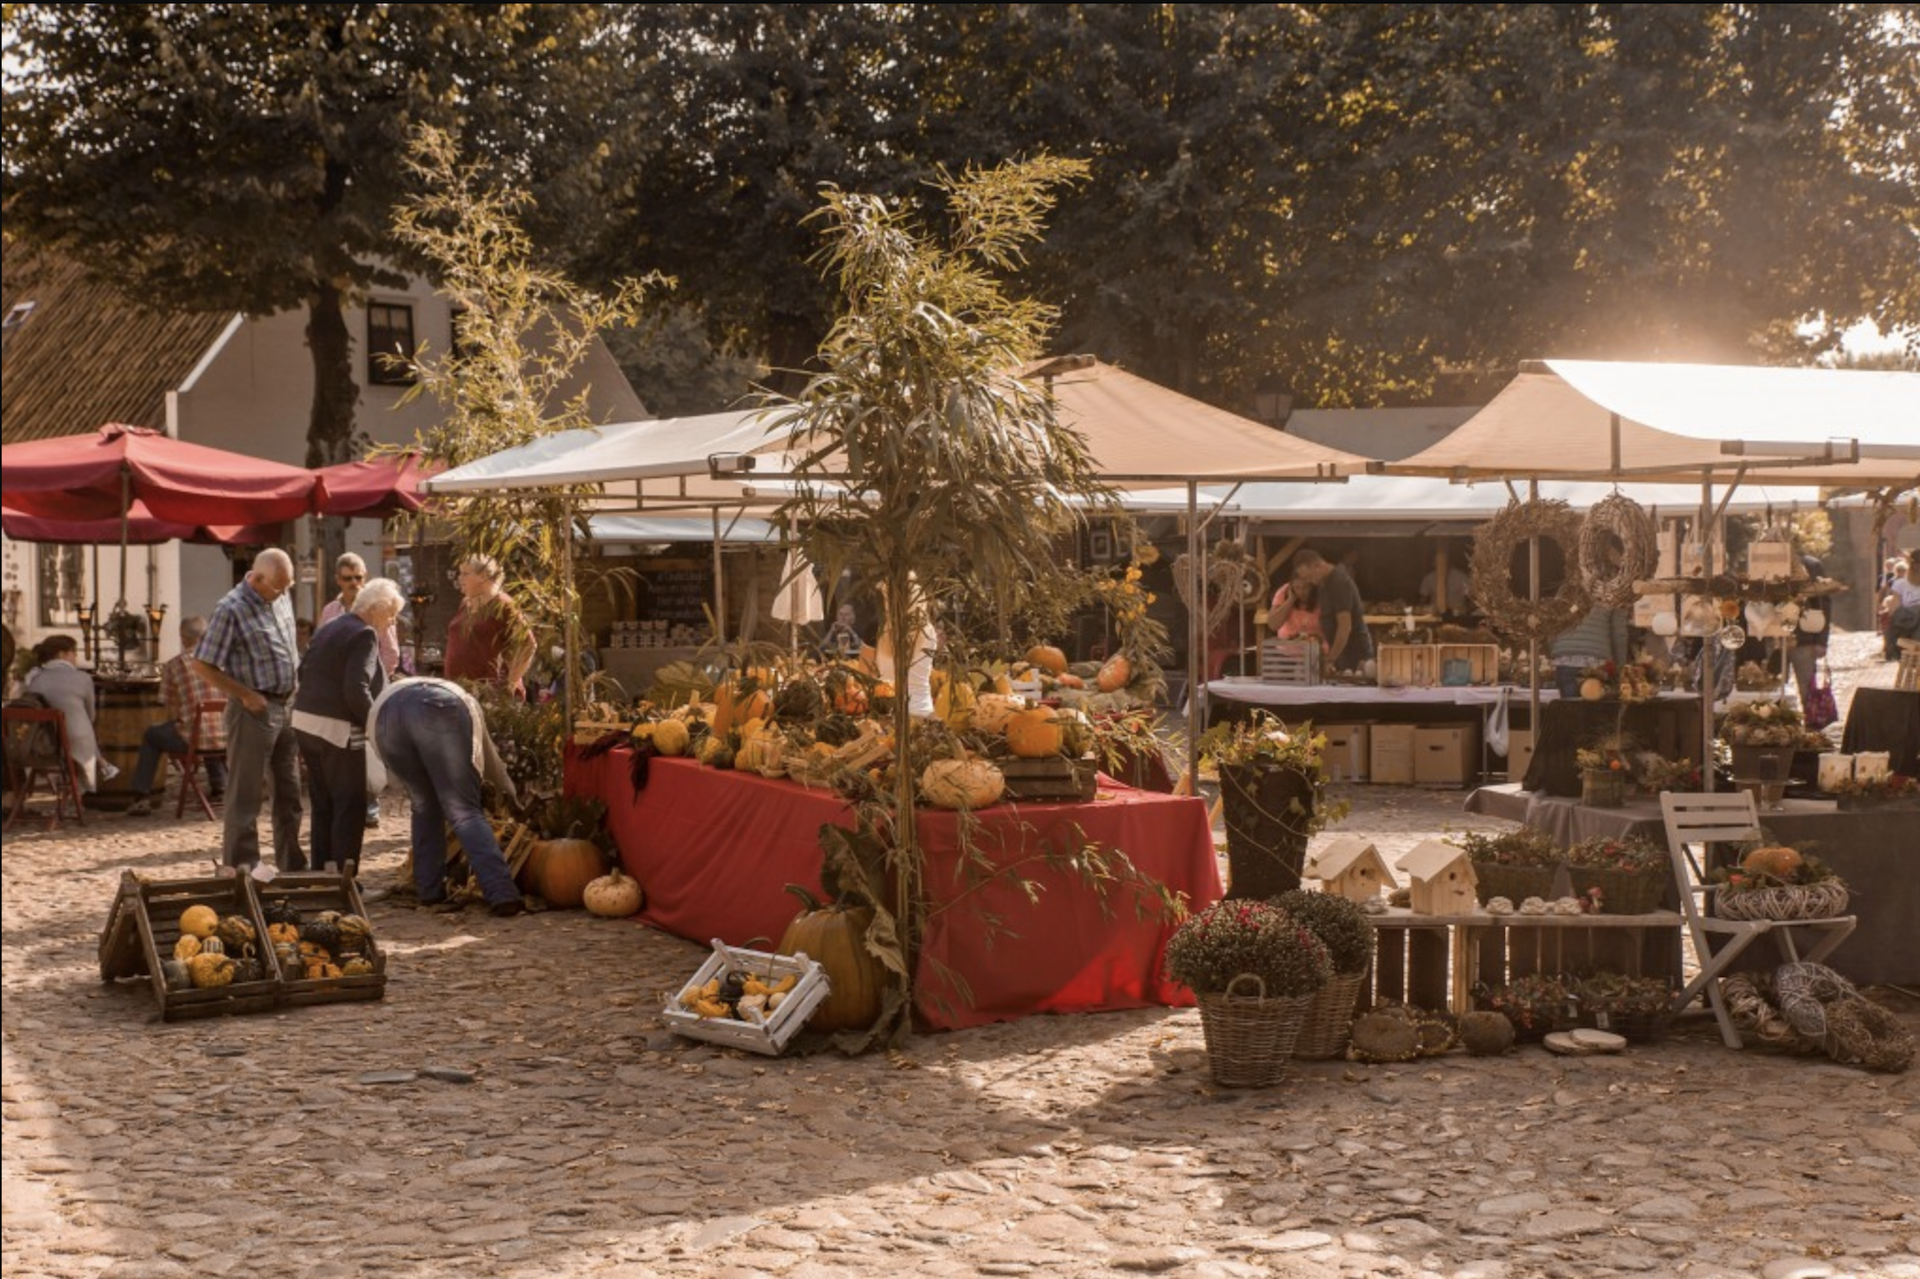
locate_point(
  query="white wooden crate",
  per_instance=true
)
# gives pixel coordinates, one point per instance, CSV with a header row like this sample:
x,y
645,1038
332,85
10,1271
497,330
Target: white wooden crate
x,y
768,1037
1289,661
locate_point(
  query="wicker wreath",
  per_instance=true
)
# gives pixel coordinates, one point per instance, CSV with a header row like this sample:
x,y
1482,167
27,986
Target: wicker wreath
x,y
1493,546
1616,518
1823,900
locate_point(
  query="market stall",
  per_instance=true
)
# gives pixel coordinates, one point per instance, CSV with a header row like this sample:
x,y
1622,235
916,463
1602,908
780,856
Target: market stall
x,y
715,849
1872,849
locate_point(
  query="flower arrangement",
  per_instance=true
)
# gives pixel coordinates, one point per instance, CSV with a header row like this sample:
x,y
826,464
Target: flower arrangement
x,y
1623,996
1883,789
1524,847
1264,742
1766,863
1655,773
1534,1004
1754,677
1342,927
1229,938
1762,724
1602,759
1604,852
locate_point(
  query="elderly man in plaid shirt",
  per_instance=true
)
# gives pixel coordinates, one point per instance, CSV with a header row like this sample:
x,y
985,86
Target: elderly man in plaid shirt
x,y
248,653
183,690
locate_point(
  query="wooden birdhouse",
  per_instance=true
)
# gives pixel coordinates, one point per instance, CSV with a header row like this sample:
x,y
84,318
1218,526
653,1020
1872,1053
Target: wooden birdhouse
x,y
1350,867
1442,879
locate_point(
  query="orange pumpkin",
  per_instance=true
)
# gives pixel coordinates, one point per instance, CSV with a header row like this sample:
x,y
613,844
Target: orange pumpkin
x,y
1072,681
1048,658
1035,734
1777,860
836,937
1115,675
566,867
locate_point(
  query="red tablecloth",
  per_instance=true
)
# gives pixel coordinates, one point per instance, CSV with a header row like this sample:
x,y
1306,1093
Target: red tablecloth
x,y
714,850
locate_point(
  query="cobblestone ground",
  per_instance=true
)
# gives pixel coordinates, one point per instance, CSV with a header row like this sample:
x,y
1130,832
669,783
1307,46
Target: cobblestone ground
x,y
590,1142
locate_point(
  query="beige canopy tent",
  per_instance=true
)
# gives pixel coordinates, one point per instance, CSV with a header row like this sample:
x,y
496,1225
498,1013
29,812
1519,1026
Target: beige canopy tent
x,y
1681,423
1703,423
1137,434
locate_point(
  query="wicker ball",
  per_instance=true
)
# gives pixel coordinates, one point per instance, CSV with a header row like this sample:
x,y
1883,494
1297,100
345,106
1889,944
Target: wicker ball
x,y
1486,1034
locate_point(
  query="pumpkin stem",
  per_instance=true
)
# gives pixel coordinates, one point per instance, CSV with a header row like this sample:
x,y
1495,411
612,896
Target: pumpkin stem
x,y
805,895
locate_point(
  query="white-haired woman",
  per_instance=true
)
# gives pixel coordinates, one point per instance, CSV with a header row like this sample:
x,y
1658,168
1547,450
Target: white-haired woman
x,y
340,676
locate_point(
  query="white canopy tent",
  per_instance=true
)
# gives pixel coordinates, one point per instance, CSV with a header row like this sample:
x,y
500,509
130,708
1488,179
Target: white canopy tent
x,y
1584,419
1425,500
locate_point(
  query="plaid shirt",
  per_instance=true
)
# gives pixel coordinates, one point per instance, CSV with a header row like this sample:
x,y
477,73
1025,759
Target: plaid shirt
x,y
183,690
252,641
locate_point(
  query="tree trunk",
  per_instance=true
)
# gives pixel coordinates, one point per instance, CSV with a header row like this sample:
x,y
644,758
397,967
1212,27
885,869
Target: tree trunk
x,y
335,399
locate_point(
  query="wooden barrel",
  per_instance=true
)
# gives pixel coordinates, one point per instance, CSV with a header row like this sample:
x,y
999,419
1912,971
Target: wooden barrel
x,y
124,709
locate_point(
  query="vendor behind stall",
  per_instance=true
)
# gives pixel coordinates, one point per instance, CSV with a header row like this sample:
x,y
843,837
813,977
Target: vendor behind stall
x,y
1342,614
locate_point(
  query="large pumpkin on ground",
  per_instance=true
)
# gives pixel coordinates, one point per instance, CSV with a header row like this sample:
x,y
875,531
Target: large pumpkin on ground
x,y
565,868
1034,734
1777,860
836,937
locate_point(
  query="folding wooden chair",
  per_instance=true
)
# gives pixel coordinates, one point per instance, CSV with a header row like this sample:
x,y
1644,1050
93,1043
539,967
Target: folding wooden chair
x,y
196,755
1708,819
25,765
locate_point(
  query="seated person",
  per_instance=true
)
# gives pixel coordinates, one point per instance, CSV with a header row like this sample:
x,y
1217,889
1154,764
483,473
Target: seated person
x,y
182,689
1454,604
1295,612
69,690
842,640
1900,610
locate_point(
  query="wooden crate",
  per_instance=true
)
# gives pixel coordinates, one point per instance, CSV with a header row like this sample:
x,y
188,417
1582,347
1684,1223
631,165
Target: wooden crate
x,y
1056,778
1407,665
311,892
1289,661
768,1036
1482,663
143,926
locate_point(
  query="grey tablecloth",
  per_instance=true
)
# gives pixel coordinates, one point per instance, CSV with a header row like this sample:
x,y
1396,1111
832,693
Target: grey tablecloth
x,y
1884,719
1877,851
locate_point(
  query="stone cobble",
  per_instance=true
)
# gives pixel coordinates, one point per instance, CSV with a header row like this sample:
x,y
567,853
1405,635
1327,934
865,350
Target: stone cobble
x,y
514,1107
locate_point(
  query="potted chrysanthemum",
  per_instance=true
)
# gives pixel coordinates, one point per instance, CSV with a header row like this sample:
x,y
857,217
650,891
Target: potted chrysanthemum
x,y
1348,935
1255,970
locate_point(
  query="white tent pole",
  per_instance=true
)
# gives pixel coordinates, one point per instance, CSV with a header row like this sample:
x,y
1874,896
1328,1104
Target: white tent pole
x,y
1533,642
719,586
1708,658
569,637
1195,657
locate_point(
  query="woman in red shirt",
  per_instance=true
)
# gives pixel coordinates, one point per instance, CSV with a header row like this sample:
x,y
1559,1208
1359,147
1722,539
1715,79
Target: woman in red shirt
x,y
488,640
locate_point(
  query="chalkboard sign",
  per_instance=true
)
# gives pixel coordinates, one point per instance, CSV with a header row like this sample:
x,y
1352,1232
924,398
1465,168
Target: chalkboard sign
x,y
675,595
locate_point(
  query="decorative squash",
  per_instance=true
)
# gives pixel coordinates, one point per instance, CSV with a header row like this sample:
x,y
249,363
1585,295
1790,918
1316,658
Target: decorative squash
x,y
953,704
1076,732
209,970
614,895
758,752
176,974
961,783
670,737
1072,681
849,695
187,947
1115,675
713,749
200,921
1034,734
212,946
990,711
732,705
358,966
567,866
1778,860
835,936
1592,689
355,933
1048,658
236,934
278,933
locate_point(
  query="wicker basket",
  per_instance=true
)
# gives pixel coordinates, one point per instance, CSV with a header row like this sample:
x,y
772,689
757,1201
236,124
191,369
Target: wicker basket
x,y
1515,883
1603,788
1635,1027
1250,1038
1622,892
1329,1019
1794,901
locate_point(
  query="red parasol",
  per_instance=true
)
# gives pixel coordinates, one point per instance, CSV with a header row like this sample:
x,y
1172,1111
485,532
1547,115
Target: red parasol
x,y
96,477
142,529
379,486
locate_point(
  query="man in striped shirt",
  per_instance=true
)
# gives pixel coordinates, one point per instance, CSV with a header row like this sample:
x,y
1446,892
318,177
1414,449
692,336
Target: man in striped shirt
x,y
248,653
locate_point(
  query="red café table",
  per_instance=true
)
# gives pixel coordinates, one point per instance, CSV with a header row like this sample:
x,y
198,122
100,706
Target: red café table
x,y
714,850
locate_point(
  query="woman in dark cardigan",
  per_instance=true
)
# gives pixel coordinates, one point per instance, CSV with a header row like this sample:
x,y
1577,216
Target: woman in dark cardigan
x,y
340,675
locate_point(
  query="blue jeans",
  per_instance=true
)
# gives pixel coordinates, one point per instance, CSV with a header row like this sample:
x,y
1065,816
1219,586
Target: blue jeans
x,y
425,737
163,739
